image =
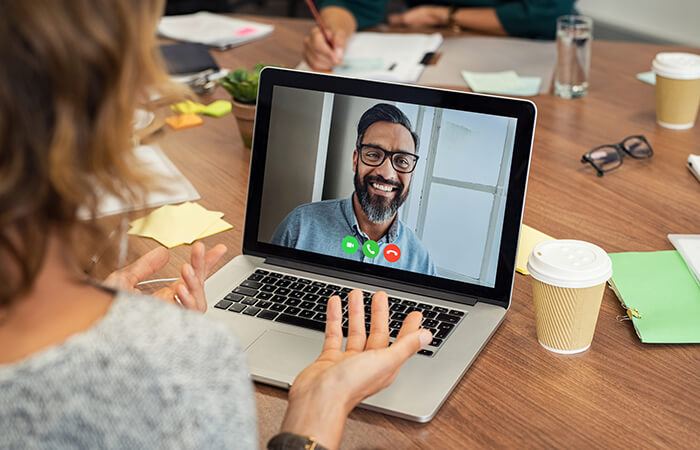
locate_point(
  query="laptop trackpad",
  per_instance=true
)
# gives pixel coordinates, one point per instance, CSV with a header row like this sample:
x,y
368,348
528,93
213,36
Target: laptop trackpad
x,y
278,357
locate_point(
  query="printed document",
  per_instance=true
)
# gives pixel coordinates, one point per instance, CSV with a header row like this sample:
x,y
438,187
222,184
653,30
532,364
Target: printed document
x,y
386,56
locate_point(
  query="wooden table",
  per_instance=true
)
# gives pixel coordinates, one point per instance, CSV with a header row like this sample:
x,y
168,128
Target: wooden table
x,y
516,394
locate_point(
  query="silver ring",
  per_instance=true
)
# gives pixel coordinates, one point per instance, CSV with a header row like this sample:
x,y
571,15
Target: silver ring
x,y
179,302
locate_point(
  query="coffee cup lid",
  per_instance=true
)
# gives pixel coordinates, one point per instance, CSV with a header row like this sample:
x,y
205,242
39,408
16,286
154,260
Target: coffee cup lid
x,y
680,66
569,264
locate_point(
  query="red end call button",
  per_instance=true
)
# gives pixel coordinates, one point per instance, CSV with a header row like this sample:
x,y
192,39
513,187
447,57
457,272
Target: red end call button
x,y
392,253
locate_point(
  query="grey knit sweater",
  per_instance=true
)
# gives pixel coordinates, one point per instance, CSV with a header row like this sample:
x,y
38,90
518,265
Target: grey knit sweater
x,y
147,375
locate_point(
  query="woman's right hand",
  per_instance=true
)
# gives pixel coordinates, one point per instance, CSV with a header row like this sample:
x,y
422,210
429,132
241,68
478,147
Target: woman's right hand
x,y
319,55
324,393
188,290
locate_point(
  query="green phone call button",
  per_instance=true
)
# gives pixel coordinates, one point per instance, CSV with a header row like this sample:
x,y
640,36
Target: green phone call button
x,y
370,249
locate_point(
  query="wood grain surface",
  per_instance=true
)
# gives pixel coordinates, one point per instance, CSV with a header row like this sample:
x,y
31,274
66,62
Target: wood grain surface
x,y
620,393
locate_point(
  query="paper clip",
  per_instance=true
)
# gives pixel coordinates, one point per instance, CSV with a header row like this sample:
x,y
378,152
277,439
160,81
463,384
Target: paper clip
x,y
631,313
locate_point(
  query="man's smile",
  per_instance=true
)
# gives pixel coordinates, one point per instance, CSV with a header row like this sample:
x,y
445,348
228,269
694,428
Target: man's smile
x,y
383,188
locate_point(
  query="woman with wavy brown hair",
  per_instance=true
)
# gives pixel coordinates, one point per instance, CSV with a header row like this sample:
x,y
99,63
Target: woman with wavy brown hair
x,y
88,364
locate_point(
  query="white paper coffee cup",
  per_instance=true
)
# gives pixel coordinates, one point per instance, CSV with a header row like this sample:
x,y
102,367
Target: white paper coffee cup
x,y
677,89
568,282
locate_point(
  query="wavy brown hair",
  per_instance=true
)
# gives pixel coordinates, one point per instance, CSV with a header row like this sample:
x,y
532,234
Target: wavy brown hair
x,y
72,73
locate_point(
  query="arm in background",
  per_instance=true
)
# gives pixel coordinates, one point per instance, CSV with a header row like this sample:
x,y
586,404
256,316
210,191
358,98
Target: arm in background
x,y
535,19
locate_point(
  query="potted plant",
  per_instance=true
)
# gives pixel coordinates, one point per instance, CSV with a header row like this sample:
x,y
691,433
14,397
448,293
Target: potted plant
x,y
243,87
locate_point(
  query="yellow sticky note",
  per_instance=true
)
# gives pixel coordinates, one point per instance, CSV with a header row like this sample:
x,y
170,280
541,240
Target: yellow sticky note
x,y
529,237
217,109
188,107
173,225
217,226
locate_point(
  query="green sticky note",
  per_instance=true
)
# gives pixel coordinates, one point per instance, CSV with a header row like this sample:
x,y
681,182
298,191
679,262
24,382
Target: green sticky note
x,y
217,109
502,83
662,289
647,77
353,66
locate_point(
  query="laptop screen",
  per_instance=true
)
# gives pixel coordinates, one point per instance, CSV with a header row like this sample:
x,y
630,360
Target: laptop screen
x,y
391,184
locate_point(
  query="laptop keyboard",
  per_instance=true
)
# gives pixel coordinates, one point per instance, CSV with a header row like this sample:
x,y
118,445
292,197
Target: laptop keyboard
x,y
302,302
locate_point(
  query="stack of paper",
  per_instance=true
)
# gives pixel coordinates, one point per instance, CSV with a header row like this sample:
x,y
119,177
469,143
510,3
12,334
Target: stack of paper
x,y
212,29
173,225
502,83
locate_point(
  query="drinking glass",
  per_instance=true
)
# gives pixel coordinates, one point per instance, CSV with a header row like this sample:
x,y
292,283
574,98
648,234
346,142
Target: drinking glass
x,y
574,36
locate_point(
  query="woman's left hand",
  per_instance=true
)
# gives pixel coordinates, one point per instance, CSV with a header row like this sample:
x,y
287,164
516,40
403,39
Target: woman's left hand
x,y
188,290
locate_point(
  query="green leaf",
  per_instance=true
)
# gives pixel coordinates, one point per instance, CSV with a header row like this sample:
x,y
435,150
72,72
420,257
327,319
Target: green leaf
x,y
243,85
239,75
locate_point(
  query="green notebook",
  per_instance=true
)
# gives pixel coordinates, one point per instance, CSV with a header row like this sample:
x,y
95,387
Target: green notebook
x,y
660,294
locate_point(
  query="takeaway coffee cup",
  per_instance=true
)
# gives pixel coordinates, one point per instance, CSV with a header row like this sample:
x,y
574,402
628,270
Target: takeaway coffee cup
x,y
677,89
568,281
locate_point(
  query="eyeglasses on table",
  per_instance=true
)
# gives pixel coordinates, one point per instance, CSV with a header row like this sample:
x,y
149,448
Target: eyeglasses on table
x,y
609,157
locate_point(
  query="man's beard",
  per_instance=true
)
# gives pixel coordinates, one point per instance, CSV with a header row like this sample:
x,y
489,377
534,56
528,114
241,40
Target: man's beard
x,y
378,209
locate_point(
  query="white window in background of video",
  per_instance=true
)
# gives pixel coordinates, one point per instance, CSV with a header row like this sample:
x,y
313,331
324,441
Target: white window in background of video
x,y
457,203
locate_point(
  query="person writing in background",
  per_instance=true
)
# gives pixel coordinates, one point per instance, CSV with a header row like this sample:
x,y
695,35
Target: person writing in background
x,y
88,364
535,19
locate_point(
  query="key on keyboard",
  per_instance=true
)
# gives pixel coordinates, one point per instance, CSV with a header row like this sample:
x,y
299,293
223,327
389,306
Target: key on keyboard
x,y
302,302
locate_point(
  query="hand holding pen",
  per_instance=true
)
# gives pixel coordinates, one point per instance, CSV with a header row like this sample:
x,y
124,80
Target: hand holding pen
x,y
323,48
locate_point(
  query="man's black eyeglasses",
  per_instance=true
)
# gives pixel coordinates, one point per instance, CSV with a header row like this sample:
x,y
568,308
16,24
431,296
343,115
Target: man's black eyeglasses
x,y
608,157
374,156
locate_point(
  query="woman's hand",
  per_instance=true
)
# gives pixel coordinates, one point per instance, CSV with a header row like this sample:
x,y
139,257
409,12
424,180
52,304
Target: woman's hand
x,y
421,16
319,55
324,393
189,288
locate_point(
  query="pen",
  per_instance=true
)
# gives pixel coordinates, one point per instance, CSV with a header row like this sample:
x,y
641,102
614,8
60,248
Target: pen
x,y
319,21
694,165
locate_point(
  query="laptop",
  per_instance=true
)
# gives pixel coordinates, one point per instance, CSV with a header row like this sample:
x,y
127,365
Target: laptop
x,y
358,184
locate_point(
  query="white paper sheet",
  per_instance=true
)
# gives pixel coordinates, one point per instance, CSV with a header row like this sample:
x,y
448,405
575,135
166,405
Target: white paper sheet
x,y
386,56
212,29
173,187
688,245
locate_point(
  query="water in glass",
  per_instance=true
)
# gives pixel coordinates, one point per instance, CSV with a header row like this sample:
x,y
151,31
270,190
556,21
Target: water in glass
x,y
574,36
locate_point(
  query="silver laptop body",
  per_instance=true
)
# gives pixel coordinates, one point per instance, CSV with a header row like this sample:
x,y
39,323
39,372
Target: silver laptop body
x,y
276,351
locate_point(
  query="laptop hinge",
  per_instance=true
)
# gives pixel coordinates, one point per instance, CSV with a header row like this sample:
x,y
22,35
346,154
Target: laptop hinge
x,y
365,278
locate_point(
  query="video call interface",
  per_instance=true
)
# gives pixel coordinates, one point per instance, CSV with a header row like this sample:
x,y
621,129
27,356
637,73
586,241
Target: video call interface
x,y
406,186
